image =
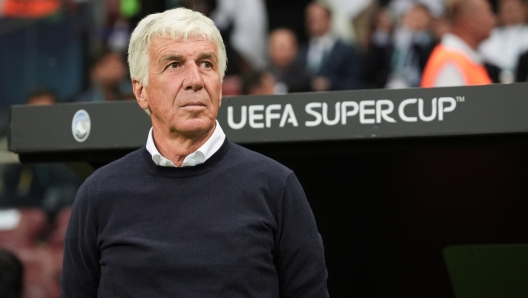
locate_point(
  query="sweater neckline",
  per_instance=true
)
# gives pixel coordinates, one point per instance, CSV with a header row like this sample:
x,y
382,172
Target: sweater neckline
x,y
181,172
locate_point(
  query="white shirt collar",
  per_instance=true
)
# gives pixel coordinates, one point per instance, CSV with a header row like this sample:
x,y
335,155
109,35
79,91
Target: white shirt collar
x,y
323,43
203,153
454,42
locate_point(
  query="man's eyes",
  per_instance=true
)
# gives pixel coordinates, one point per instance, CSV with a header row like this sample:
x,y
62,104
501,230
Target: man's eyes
x,y
204,64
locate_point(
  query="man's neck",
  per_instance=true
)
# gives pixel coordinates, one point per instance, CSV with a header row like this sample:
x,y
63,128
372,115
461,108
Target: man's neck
x,y
468,38
175,146
111,93
322,37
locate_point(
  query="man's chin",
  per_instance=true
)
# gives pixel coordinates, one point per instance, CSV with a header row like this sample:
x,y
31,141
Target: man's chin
x,y
193,127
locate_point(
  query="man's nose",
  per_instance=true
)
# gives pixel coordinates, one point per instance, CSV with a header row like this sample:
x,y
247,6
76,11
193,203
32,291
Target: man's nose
x,y
192,78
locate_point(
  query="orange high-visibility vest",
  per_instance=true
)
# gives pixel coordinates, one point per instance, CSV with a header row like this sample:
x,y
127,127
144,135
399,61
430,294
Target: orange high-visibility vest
x,y
473,73
30,8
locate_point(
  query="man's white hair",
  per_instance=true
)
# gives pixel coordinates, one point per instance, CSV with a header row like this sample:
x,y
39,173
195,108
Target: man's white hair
x,y
177,23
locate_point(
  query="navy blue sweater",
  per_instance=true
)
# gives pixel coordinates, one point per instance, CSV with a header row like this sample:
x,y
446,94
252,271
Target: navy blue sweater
x,y
238,225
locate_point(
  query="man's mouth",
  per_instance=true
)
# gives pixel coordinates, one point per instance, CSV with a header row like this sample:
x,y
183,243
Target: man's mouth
x,y
193,104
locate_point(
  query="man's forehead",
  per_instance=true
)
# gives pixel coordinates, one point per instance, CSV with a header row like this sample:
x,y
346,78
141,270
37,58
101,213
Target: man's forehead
x,y
283,37
181,43
162,49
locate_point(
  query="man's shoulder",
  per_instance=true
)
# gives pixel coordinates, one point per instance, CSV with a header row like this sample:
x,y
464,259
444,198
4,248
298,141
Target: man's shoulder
x,y
245,157
342,55
341,44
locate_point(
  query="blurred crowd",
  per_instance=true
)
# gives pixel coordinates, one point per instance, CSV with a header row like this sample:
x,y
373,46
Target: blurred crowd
x,y
35,201
278,47
273,47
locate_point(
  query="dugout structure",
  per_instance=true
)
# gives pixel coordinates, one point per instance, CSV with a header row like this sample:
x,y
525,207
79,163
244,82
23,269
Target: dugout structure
x,y
393,176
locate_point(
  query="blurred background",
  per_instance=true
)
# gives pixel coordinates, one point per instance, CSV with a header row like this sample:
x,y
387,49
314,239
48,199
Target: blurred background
x,y
54,51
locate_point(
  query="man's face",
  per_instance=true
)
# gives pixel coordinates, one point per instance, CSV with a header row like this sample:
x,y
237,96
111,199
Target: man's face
x,y
512,12
482,19
418,18
110,70
317,20
184,90
40,100
282,48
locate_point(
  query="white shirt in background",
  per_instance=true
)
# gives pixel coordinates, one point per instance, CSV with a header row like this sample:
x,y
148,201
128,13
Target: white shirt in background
x,y
504,46
250,28
318,49
343,12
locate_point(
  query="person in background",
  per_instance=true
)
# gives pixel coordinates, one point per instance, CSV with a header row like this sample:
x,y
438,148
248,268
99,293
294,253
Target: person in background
x,y
8,159
508,41
258,83
332,64
345,15
42,97
379,50
455,61
413,43
11,275
440,26
400,7
47,186
522,68
287,14
108,79
284,63
244,25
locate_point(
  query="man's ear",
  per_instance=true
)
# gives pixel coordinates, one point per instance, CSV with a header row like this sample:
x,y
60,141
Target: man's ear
x,y
140,93
220,100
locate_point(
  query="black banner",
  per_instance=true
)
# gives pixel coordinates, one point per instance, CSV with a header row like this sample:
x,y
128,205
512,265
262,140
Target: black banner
x,y
295,117
377,114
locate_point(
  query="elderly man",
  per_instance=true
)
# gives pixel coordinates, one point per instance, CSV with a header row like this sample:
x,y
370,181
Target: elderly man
x,y
190,214
455,61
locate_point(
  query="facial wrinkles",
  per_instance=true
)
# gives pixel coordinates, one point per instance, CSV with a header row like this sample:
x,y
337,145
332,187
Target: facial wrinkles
x,y
165,56
190,56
